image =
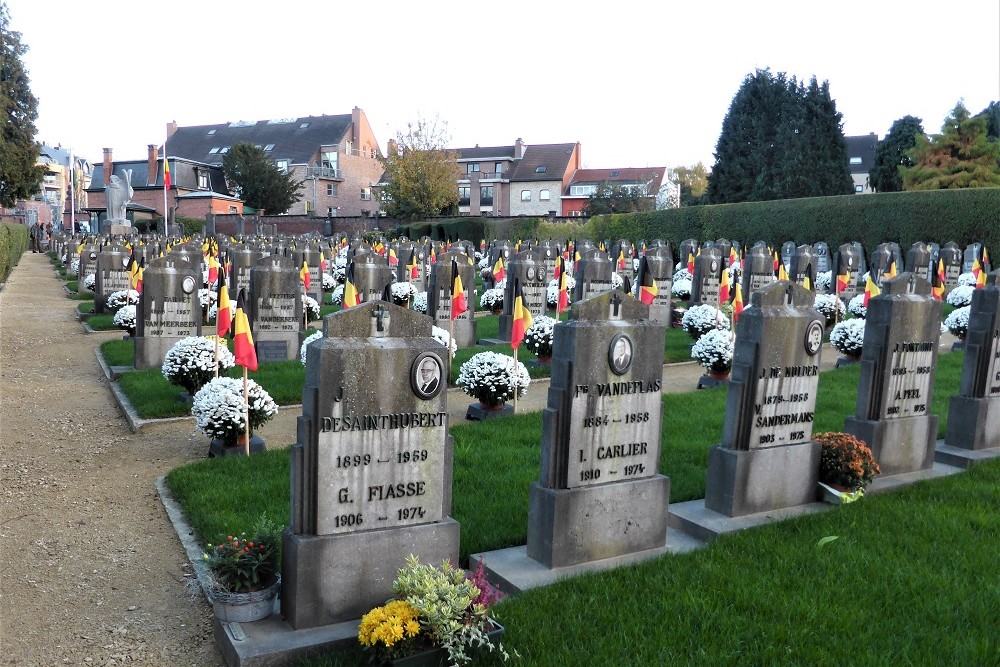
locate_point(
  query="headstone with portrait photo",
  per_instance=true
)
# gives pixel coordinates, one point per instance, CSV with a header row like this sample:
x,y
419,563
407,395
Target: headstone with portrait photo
x,y
821,249
951,257
898,364
707,276
169,309
527,269
371,470
767,459
788,250
549,250
660,262
440,293
275,308
111,275
599,493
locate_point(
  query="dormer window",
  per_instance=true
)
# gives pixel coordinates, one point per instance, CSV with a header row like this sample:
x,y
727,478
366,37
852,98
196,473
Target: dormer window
x,y
215,149
540,169
202,180
269,147
614,173
303,126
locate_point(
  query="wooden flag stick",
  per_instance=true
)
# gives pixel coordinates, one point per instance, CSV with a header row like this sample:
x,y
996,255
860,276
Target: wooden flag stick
x,y
246,412
451,341
515,380
217,351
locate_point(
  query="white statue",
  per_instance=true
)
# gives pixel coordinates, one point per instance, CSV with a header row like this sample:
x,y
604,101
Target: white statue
x,y
117,195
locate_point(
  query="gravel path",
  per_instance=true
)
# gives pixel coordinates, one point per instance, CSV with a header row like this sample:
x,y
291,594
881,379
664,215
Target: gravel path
x,y
91,571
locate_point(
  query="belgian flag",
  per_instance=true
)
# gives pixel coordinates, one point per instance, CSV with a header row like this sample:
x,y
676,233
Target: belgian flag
x,y
522,317
724,286
563,302
393,260
224,318
322,262
458,305
737,303
621,259
782,274
691,263
213,268
498,270
304,275
351,296
137,278
871,290
809,282
937,281
411,264
133,269
243,349
647,285
843,274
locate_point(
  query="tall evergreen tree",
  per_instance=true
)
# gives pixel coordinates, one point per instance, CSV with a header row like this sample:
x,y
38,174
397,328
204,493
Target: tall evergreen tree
x,y
960,157
779,140
992,114
891,154
20,175
257,180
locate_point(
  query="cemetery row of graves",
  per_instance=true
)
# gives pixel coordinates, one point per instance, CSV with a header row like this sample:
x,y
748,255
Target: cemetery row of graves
x,y
612,468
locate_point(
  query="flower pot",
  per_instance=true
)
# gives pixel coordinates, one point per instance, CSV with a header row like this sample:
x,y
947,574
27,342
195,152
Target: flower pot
x,y
245,607
835,494
438,656
221,448
544,359
719,375
848,360
480,411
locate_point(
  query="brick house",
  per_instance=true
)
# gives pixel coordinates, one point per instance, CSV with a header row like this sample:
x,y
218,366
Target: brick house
x,y
336,157
861,158
196,188
586,182
515,180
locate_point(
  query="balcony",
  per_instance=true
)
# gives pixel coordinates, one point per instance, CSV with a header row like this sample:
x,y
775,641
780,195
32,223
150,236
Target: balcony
x,y
491,175
463,201
486,201
323,172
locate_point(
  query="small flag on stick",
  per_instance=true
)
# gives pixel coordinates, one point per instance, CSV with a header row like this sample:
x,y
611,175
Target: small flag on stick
x,y
243,348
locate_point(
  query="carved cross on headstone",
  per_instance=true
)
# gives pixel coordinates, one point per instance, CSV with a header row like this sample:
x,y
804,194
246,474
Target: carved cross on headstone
x,y
616,304
911,286
379,315
788,293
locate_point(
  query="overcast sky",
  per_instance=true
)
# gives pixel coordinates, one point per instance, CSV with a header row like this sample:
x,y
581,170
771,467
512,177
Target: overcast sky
x,y
636,83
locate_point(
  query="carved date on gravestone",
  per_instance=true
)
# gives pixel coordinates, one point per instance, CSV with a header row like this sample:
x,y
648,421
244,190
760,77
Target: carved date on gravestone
x,y
175,318
277,313
910,371
784,405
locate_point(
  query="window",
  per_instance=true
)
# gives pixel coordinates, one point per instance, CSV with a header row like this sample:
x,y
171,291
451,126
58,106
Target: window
x,y
331,190
269,147
373,153
233,209
525,195
202,180
576,214
582,190
543,195
473,168
223,150
331,212
464,194
366,194
211,132
214,150
282,166
304,126
498,167
855,160
486,195
329,160
540,169
858,189
614,173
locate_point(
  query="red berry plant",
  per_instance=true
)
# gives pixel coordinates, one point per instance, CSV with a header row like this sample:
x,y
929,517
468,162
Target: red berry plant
x,y
845,461
241,564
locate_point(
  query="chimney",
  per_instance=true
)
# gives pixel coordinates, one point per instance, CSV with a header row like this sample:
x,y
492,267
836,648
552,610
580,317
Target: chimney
x,y
356,114
152,164
171,128
518,149
108,166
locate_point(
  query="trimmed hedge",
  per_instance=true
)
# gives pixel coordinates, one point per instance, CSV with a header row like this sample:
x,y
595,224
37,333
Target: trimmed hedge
x,y
13,243
963,216
475,228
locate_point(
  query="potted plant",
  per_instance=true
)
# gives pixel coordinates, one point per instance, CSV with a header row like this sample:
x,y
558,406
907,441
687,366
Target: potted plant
x,y
681,289
957,322
218,412
442,336
90,282
337,295
831,307
243,574
439,613
402,293
305,344
961,296
492,378
328,282
190,363
552,291
846,467
702,318
125,319
539,337
492,300
848,337
310,307
714,351
856,306
122,298
419,302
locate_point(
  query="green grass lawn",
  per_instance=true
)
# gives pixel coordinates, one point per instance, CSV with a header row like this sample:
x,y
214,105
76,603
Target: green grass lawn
x,y
101,322
904,582
118,352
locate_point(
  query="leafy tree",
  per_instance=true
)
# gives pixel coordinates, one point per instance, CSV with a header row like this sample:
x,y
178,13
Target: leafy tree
x,y
992,114
694,183
780,139
960,157
257,180
421,174
891,154
618,198
20,175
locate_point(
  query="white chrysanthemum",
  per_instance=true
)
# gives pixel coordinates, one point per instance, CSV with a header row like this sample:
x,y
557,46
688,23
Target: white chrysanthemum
x,y
702,318
125,318
681,288
492,299
540,335
329,282
714,350
74,267
856,306
90,282
337,295
443,337
958,321
552,291
190,363
849,336
967,279
122,298
207,297
402,293
310,338
617,282
824,279
961,295
311,306
419,302
493,378
830,306
218,408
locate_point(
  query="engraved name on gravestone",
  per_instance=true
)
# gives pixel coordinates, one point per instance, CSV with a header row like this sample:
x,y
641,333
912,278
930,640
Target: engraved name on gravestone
x,y
276,308
439,297
707,276
758,270
660,262
767,459
951,256
599,493
974,413
527,269
111,275
898,363
169,309
372,467
918,260
822,251
592,274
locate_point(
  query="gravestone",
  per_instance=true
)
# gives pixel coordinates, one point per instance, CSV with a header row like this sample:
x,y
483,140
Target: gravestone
x,y
439,297
859,250
688,249
881,261
169,309
898,362
758,270
803,260
623,267
592,274
918,260
846,260
599,494
788,250
935,251
276,308
310,255
707,277
951,256
549,250
111,275
527,269
724,246
88,265
660,263
973,251
822,252
242,259
371,276
974,412
767,459
372,466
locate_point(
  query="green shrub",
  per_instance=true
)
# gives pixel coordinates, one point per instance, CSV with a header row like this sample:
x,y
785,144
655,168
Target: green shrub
x,y
13,243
